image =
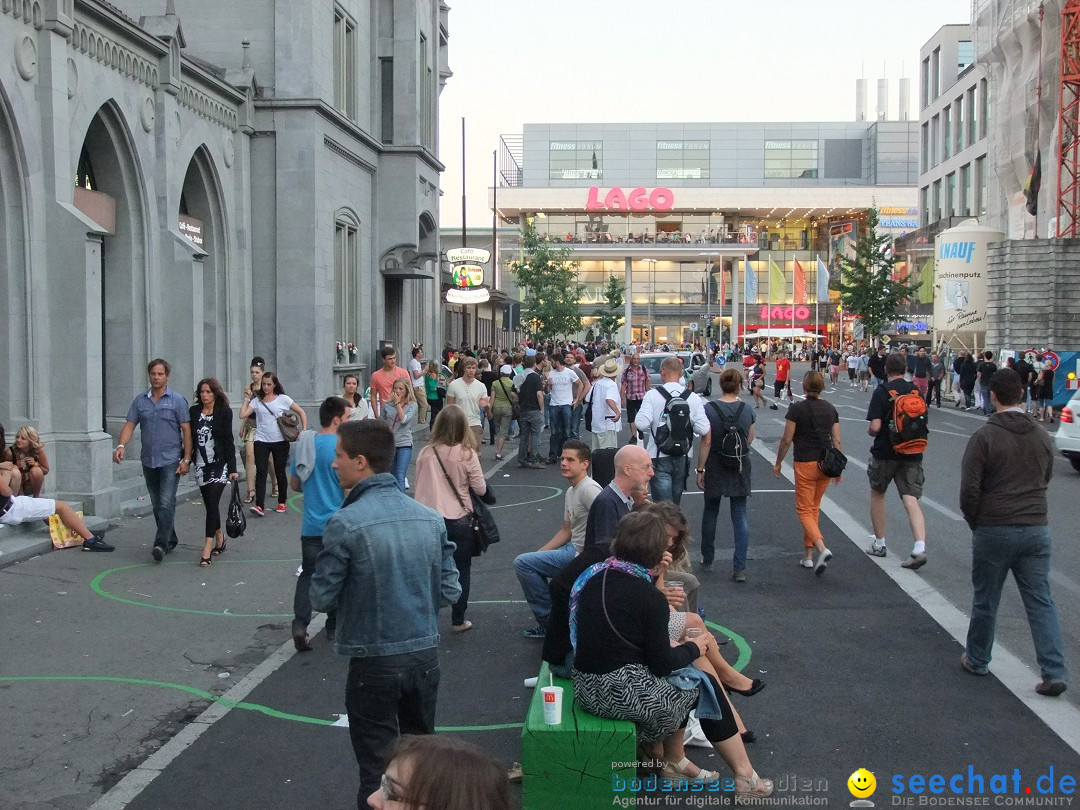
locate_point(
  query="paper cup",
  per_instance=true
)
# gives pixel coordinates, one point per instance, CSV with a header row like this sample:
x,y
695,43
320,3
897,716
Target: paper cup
x,y
552,696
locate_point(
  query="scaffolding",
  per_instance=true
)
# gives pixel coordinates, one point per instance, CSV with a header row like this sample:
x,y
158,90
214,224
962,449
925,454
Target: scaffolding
x,y
1068,200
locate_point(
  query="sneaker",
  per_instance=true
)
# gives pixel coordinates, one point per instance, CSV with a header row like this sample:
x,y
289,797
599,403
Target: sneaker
x,y
914,562
158,553
773,407
875,551
97,543
537,465
1050,688
970,668
280,507
822,562
738,576
705,566
258,510
536,632
806,563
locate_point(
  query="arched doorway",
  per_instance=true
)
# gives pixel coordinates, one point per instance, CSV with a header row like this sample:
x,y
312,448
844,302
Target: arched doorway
x,y
15,399
108,178
202,220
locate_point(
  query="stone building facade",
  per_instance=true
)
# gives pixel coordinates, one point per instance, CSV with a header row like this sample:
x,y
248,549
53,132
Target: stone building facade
x,y
204,182
1031,289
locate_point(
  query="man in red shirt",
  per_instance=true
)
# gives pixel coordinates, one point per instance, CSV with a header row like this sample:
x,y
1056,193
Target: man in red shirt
x,y
382,381
783,370
636,384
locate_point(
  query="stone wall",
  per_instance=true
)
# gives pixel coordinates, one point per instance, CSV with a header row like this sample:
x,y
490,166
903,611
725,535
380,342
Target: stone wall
x,y
1033,290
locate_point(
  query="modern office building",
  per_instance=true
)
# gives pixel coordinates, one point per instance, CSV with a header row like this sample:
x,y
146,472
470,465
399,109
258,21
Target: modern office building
x,y
680,211
203,182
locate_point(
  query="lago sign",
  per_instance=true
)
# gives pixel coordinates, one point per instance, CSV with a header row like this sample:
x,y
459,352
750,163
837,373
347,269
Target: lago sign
x,y
467,276
637,199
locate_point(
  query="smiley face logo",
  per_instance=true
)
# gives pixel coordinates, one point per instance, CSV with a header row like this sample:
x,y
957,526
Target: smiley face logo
x,y
862,783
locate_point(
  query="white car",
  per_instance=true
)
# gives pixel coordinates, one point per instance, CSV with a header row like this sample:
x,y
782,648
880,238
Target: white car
x,y
1067,437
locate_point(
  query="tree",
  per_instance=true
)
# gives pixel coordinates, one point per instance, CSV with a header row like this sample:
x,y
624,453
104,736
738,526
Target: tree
x,y
550,289
610,317
868,286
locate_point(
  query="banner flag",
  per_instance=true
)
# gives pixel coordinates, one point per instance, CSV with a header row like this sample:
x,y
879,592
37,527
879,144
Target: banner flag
x,y
822,281
800,284
751,283
777,282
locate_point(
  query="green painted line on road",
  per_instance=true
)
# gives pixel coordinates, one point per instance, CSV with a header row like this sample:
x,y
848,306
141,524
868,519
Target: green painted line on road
x,y
96,587
740,644
555,493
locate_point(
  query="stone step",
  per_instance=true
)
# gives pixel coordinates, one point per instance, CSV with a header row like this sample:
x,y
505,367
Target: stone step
x,y
26,540
140,506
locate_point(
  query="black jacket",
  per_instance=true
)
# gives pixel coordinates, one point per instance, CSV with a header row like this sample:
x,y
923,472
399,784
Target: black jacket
x,y
224,448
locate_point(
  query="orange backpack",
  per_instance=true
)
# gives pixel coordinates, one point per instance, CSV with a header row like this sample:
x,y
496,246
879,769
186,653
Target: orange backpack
x,y
909,428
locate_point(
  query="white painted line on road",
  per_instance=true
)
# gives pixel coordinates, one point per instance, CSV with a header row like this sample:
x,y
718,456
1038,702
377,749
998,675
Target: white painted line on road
x,y
136,781
1062,718
753,491
946,511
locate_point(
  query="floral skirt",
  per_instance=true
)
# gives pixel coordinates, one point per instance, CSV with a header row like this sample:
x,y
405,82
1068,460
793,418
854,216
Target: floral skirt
x,y
633,693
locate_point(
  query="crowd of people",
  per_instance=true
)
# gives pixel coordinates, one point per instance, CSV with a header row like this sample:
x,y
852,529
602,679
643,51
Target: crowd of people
x,y
614,592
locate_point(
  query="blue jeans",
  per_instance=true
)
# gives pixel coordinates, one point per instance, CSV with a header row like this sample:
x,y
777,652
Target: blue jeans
x,y
310,546
987,407
669,478
532,425
1024,550
402,457
575,421
559,417
739,524
161,482
387,696
534,569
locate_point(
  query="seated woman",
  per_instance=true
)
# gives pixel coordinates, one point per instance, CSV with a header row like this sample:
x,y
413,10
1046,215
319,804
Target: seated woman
x,y
9,473
27,455
623,660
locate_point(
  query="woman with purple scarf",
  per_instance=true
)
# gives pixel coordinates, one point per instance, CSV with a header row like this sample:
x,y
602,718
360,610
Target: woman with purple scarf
x,y
624,665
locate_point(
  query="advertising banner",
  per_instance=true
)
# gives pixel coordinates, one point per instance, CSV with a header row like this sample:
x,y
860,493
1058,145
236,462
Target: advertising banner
x,y
960,278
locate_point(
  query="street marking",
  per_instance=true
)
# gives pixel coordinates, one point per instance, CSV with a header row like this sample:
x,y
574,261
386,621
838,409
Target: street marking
x,y
1062,718
761,491
946,511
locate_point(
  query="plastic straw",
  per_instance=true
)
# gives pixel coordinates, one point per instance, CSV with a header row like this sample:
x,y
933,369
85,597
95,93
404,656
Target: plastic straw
x,y
552,679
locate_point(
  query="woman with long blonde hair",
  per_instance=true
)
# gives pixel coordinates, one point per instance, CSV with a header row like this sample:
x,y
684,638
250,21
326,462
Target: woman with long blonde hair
x,y
399,412
446,470
27,455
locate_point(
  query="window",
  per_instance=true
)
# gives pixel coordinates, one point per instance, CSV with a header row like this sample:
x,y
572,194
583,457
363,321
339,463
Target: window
x,y
964,208
971,117
935,202
386,93
935,139
924,206
935,73
965,55
575,160
924,150
979,188
958,128
946,131
427,111
682,160
984,103
925,75
950,194
346,281
791,159
344,64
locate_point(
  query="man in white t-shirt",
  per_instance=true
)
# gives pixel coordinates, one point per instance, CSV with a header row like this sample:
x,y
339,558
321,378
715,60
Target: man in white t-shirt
x,y
670,472
606,413
535,568
416,373
565,386
470,395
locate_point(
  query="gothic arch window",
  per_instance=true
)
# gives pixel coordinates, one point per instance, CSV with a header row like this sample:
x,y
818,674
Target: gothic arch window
x,y
346,279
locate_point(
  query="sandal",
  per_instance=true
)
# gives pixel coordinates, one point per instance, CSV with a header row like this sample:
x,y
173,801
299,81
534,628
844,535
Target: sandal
x,y
204,561
677,770
752,787
216,550
250,498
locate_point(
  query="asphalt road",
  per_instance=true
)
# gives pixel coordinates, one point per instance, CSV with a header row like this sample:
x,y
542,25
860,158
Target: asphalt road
x,y
183,679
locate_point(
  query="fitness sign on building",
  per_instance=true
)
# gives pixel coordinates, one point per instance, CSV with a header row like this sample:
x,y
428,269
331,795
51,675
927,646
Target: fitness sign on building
x,y
467,276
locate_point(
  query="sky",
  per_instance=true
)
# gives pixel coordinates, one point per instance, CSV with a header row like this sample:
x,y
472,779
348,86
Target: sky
x,y
611,61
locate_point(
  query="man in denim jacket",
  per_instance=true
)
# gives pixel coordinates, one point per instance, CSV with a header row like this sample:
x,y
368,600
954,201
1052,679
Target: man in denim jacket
x,y
387,566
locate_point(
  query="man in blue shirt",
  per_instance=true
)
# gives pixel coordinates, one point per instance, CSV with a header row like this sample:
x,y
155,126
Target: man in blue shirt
x,y
387,565
162,416
312,472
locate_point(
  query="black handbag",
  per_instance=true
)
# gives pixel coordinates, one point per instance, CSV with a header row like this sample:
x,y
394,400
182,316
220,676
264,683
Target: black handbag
x,y
236,522
481,523
832,462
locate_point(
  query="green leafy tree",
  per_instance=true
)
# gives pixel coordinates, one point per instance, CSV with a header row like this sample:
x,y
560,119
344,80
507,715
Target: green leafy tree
x,y
610,318
548,279
866,283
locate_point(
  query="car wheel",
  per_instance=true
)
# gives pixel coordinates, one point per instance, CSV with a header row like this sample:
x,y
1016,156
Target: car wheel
x,y
1075,461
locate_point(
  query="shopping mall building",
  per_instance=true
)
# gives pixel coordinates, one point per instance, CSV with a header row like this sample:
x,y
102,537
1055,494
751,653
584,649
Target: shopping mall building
x,y
688,214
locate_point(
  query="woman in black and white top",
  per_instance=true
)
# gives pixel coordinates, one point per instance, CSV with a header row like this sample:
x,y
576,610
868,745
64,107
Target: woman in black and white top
x,y
268,404
214,458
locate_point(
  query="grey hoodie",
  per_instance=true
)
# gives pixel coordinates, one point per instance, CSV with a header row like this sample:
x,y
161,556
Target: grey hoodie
x,y
1007,466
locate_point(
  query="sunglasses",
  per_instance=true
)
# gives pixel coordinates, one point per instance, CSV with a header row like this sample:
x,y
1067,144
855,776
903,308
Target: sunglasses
x,y
391,790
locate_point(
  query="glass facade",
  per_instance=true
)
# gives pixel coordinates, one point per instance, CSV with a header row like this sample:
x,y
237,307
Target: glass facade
x,y
682,160
788,159
575,160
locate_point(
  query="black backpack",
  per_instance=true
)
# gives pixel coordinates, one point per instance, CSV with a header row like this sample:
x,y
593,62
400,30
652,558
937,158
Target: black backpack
x,y
733,447
676,432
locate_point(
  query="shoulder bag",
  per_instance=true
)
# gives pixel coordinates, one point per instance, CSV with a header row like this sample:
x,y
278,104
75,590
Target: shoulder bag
x,y
832,461
515,411
288,423
481,523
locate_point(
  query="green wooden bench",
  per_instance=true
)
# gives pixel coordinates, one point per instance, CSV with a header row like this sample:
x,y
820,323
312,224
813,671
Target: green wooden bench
x,y
573,764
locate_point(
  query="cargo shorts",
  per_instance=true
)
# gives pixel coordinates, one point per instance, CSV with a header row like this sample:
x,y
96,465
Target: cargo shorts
x,y
908,476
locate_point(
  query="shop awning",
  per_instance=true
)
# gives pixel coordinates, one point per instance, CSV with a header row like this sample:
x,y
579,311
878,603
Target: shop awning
x,y
781,333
